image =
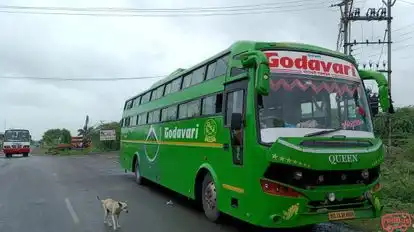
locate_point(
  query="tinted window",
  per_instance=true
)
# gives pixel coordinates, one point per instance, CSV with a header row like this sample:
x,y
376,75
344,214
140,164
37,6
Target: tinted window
x,y
176,85
160,91
221,67
193,108
172,112
164,114
236,71
142,119
182,111
234,104
137,101
212,104
198,75
187,80
167,89
127,121
169,113
156,116
149,117
133,121
128,105
157,93
145,98
210,71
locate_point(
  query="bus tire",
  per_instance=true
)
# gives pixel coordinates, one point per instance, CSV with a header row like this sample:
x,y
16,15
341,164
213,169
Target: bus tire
x,y
25,154
138,178
209,199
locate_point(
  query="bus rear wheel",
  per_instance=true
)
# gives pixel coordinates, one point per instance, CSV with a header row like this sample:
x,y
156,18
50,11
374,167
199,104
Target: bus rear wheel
x,y
209,199
25,154
138,178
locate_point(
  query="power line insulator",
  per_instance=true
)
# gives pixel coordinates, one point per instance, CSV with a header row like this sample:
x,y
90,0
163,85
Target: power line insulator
x,y
383,12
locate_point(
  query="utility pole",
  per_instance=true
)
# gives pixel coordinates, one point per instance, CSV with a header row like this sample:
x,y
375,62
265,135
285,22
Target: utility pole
x,y
373,15
389,5
345,21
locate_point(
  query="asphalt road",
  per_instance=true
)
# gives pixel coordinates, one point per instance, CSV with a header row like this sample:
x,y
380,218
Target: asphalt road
x,y
58,194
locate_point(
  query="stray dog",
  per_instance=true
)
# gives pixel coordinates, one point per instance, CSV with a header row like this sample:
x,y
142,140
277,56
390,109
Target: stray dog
x,y
113,208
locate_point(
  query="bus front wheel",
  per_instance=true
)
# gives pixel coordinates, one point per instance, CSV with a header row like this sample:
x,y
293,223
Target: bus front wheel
x,y
209,199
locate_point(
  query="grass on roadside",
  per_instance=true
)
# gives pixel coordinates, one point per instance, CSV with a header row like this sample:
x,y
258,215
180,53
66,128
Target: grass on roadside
x,y
397,179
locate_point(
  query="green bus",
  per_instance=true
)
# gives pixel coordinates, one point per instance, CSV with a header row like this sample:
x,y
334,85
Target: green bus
x,y
275,134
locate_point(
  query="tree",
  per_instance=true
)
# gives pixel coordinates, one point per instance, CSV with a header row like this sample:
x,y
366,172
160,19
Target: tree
x,y
107,145
86,132
54,137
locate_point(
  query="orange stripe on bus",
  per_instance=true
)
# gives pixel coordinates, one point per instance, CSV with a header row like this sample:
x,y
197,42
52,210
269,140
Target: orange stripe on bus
x,y
191,144
233,188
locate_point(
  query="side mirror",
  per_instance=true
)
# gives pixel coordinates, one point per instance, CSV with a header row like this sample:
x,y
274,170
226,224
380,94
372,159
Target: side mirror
x,y
236,121
258,61
373,99
384,98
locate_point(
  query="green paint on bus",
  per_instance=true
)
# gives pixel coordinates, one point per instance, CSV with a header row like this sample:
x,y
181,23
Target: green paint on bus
x,y
275,134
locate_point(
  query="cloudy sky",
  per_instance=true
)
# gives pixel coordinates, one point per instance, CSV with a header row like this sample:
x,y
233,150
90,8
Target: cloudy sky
x,y
88,46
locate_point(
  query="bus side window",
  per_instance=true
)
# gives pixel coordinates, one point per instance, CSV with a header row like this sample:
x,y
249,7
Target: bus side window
x,y
133,120
187,80
212,104
167,89
164,115
210,70
221,67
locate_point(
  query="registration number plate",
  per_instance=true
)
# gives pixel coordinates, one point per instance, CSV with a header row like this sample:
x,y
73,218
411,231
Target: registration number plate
x,y
341,215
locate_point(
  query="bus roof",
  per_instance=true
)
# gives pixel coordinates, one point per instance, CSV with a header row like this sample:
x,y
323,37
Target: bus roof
x,y
246,45
16,130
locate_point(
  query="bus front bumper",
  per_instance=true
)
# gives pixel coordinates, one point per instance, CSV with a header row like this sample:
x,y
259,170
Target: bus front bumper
x,y
288,212
16,150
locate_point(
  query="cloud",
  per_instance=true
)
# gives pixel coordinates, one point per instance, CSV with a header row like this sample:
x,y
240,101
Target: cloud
x,y
81,46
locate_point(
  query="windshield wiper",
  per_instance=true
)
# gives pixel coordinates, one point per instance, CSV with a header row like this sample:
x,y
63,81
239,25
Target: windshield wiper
x,y
323,132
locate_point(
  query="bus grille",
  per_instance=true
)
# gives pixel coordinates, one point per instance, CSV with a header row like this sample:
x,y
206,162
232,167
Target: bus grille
x,y
348,203
313,178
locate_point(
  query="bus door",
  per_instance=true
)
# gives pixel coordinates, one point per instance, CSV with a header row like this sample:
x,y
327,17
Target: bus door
x,y
235,98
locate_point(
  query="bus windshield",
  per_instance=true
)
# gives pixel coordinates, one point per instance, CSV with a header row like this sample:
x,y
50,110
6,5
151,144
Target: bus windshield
x,y
312,103
17,136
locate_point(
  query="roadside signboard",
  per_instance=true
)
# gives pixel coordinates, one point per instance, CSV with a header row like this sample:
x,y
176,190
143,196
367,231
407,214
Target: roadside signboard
x,y
107,135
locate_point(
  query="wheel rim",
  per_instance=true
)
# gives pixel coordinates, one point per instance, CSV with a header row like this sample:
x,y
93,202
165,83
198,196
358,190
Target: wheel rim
x,y
210,196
